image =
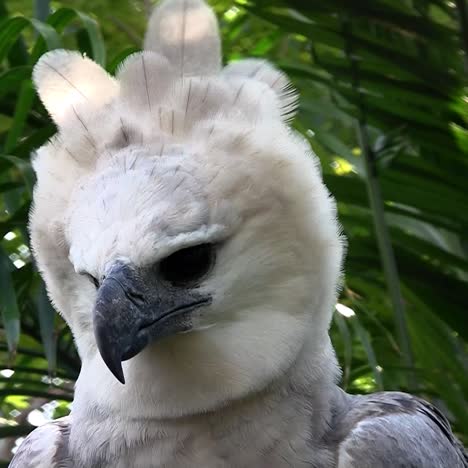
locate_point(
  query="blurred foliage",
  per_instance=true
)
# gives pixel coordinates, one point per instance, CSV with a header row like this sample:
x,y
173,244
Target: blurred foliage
x,y
384,104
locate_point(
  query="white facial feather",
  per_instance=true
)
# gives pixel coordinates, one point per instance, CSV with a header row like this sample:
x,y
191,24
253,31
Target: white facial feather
x,y
176,152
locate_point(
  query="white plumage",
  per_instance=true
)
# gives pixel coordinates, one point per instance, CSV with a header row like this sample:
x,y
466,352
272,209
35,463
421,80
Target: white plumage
x,y
232,368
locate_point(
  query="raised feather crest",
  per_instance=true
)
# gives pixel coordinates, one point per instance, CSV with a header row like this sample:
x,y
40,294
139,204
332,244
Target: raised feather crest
x,y
176,81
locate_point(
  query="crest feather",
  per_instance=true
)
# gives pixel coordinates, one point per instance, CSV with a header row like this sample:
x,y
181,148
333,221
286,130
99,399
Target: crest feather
x,y
186,32
144,78
67,80
276,80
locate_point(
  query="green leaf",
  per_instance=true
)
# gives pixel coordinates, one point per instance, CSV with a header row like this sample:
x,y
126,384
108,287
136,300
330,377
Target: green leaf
x,y
23,105
47,326
9,79
64,16
11,29
340,322
95,37
36,394
48,33
8,304
119,58
366,342
25,169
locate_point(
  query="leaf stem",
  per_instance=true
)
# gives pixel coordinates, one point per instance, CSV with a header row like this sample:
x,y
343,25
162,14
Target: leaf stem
x,y
387,255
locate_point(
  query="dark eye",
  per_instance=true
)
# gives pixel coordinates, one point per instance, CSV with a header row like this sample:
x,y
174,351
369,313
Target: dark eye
x,y
187,266
93,279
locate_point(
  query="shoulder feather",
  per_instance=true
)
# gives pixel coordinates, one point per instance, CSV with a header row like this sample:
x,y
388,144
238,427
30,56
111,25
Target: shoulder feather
x,y
393,429
45,447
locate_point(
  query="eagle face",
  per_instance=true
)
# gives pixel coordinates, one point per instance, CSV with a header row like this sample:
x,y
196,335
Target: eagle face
x,y
183,230
190,269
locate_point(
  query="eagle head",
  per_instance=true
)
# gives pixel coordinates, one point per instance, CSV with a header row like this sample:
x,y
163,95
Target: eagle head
x,y
181,226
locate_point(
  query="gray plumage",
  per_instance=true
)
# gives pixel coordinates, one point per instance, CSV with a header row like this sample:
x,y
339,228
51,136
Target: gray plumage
x,y
383,430
215,258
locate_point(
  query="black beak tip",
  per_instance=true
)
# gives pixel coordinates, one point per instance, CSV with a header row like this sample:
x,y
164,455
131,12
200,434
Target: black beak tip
x,y
110,356
115,366
113,363
118,373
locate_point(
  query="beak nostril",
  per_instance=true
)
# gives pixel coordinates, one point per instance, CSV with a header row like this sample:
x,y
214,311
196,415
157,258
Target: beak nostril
x,y
135,297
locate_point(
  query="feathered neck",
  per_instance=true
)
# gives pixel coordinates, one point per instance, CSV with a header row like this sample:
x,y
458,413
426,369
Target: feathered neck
x,y
297,403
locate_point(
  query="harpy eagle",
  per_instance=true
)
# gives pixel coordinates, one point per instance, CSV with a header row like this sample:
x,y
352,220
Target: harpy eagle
x,y
185,234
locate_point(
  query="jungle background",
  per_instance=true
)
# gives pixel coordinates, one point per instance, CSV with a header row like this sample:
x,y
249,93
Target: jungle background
x,y
384,104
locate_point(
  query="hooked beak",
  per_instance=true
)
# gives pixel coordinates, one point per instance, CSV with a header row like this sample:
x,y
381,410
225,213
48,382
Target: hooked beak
x,y
133,309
